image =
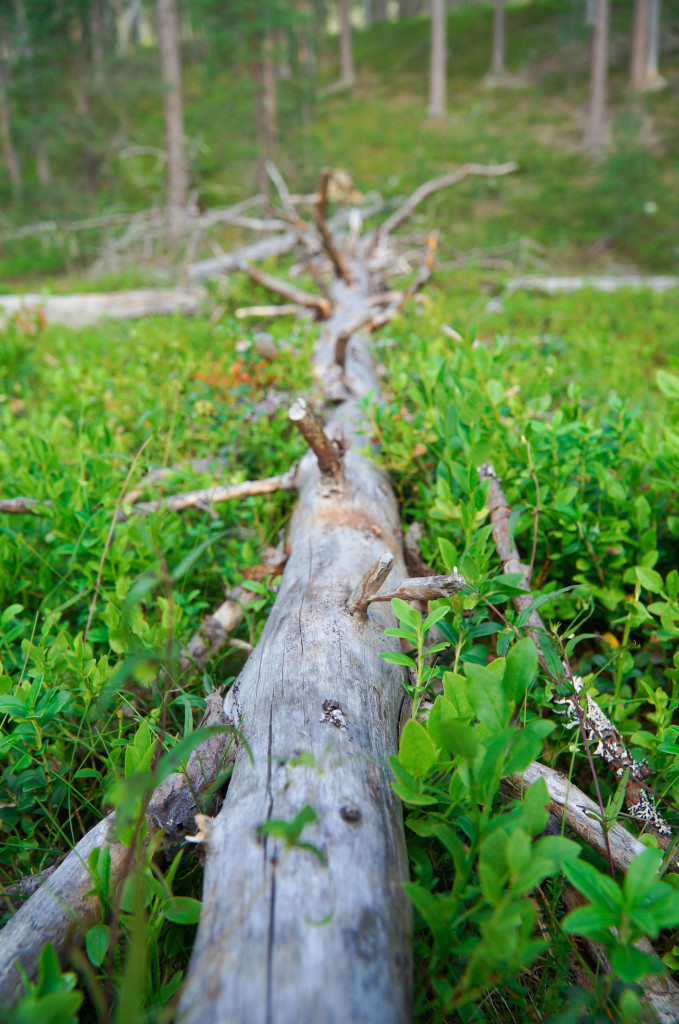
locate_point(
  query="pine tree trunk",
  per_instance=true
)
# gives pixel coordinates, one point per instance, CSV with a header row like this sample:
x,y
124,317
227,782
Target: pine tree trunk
x,y
497,69
379,10
269,93
437,72
653,52
171,74
11,155
346,46
639,45
43,165
595,131
97,42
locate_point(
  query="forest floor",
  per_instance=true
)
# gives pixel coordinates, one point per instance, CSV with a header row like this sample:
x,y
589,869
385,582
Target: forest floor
x,y
579,393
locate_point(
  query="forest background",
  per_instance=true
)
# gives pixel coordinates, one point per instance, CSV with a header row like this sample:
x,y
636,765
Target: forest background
x,y
125,129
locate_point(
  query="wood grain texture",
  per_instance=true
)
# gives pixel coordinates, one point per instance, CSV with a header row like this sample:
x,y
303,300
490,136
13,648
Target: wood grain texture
x,y
263,952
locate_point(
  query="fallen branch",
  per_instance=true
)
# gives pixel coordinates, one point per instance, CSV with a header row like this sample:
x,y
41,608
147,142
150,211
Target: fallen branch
x,y
609,283
208,497
288,291
597,726
266,312
64,908
91,308
21,506
661,992
400,215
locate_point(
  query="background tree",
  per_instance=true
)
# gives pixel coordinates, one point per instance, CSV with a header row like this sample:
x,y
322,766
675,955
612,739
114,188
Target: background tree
x,y
348,76
437,72
173,110
595,130
10,152
497,67
639,56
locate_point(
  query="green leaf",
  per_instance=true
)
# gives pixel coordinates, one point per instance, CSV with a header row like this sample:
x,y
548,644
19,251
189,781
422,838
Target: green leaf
x,y
96,943
183,910
434,617
397,658
668,384
527,746
404,613
15,707
455,688
591,921
599,889
521,668
649,579
631,965
193,556
417,752
487,696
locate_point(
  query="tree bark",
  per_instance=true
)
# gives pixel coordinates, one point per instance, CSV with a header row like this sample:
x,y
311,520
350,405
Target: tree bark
x,y
11,155
348,76
639,53
595,131
93,307
379,10
171,75
497,68
315,934
437,70
653,52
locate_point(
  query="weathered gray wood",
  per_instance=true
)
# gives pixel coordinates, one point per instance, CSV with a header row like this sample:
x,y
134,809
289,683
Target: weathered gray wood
x,y
263,952
90,308
285,937
262,249
600,283
61,911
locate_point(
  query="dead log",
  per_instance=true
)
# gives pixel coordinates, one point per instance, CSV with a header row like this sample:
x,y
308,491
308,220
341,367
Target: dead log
x,y
64,908
606,283
314,927
262,249
314,936
91,308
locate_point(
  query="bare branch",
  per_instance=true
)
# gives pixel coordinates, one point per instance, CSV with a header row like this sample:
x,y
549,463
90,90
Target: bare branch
x,y
320,215
65,907
445,181
288,291
425,588
329,453
266,312
205,499
370,584
21,506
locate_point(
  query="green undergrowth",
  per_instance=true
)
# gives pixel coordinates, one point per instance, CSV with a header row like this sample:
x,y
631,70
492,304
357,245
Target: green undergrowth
x,y
577,397
590,478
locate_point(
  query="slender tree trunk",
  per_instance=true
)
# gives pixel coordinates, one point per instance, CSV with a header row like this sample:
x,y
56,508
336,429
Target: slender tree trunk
x,y
379,10
639,45
653,52
590,12
346,46
43,165
497,68
595,130
171,74
269,93
97,42
11,155
437,71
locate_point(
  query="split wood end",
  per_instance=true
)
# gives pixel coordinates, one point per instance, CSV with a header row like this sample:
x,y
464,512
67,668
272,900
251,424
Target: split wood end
x,y
370,584
329,453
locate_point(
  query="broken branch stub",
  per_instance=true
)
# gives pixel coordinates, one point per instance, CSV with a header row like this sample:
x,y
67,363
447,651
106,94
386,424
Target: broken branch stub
x,y
329,453
425,588
370,583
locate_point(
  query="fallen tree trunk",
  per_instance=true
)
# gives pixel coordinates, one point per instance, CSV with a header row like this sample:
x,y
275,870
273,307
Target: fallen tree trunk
x,y
606,283
314,937
91,308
